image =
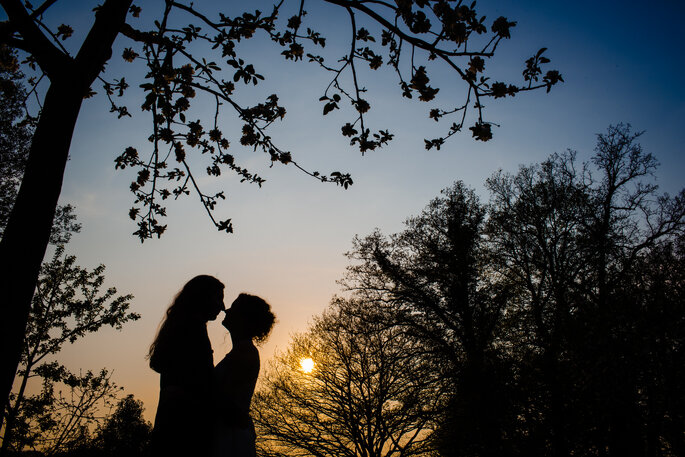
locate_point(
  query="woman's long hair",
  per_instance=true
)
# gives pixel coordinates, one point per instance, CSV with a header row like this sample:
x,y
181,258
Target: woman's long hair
x,y
196,293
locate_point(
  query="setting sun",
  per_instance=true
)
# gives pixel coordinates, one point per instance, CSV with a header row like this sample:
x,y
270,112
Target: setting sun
x,y
307,365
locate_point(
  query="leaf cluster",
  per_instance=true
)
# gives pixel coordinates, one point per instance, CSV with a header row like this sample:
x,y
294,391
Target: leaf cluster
x,y
175,78
192,57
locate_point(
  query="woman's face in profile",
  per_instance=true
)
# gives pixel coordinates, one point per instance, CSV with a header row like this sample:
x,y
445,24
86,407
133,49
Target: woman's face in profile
x,y
215,305
233,317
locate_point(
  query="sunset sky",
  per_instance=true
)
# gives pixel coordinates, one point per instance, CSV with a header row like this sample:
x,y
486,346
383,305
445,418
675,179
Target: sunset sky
x,y
622,61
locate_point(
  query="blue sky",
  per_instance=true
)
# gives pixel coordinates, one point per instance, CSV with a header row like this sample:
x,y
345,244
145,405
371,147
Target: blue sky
x,y
621,60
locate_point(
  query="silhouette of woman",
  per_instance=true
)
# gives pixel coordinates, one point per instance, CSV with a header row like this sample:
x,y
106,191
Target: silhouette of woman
x,y
249,320
182,354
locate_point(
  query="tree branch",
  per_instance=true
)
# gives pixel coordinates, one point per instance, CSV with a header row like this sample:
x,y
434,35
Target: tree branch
x,y
97,47
42,8
49,57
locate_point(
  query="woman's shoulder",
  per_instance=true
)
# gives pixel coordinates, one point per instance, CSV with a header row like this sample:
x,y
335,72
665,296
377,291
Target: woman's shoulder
x,y
241,354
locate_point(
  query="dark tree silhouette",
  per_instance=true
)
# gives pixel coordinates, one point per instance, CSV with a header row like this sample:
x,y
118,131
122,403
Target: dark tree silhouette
x,y
175,75
68,305
572,236
658,349
628,219
16,131
15,136
370,393
125,432
435,280
59,419
536,225
556,310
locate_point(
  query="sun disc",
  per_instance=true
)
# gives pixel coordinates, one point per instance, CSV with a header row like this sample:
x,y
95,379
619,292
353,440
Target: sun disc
x,y
307,364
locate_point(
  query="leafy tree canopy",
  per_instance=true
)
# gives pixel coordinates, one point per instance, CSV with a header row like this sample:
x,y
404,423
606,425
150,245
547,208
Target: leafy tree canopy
x,y
193,57
556,310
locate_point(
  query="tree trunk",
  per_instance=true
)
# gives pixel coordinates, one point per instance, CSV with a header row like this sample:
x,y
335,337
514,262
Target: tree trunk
x,y
28,230
26,237
12,411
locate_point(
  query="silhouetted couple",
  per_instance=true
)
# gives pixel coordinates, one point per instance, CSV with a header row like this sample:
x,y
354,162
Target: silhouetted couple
x,y
204,410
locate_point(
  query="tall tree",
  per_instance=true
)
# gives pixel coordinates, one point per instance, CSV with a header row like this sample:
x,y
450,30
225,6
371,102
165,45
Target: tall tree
x,y
455,35
573,237
555,310
536,224
435,280
69,304
27,232
628,220
369,392
656,289
16,131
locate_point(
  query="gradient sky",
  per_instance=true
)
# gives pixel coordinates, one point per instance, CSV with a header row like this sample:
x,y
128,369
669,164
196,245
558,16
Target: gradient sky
x,y
622,62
